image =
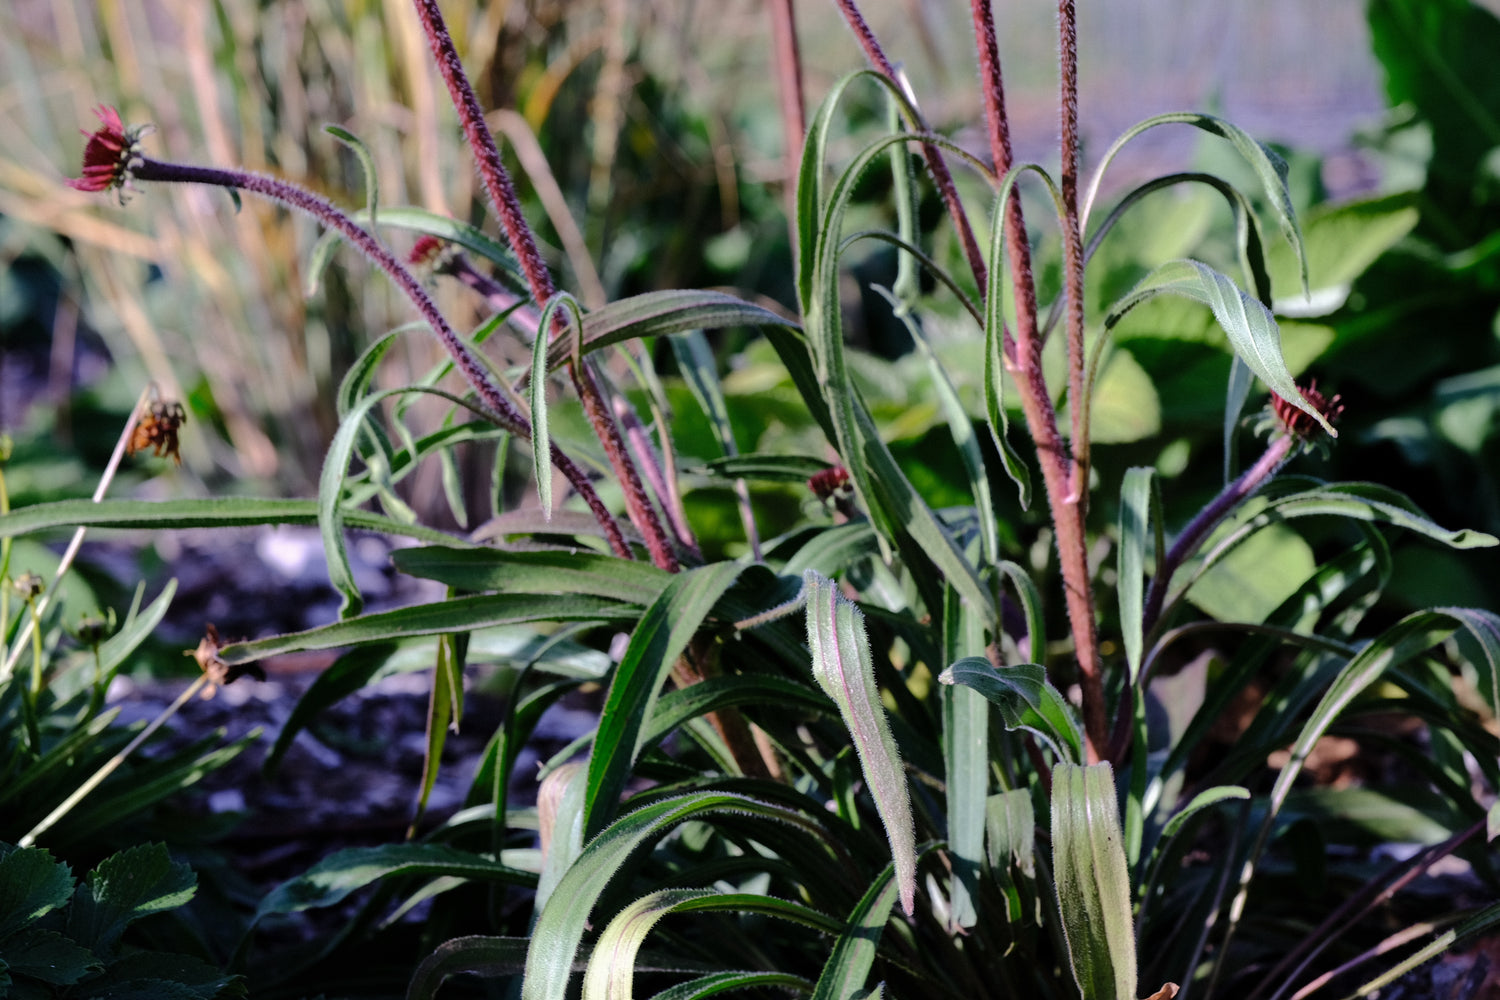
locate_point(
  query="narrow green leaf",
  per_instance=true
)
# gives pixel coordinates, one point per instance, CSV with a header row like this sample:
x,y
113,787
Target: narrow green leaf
x,y
366,164
1010,842
1031,609
842,667
459,614
346,675
611,968
1140,512
331,513
727,982
1269,168
1486,919
654,314
1026,701
488,957
535,572
356,381
966,762
210,513
560,927
846,970
444,712
137,628
767,468
419,220
1251,328
1380,504
343,872
660,638
675,708
1093,883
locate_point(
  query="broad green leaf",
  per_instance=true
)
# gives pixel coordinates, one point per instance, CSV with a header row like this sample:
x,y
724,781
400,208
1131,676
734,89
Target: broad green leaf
x,y
560,927
841,664
535,572
1249,324
1026,701
213,513
47,956
32,883
658,640
489,957
1343,240
848,967
1269,168
1093,883
459,614
348,870
1251,581
134,883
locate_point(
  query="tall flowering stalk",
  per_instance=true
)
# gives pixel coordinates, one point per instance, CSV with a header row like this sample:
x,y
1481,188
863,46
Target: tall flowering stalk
x,y
507,206
1064,470
112,161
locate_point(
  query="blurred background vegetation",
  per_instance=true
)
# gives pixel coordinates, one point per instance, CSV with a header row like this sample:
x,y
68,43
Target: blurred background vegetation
x,y
648,142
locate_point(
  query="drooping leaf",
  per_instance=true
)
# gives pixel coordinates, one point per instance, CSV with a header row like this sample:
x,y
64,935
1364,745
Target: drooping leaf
x,y
489,957
560,927
1026,701
1249,324
353,868
419,220
459,614
611,968
346,675
1093,881
842,667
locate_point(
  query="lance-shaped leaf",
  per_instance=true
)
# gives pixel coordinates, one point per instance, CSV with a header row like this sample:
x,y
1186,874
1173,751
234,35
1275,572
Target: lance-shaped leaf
x,y
1093,883
655,645
1251,328
1026,701
848,967
842,667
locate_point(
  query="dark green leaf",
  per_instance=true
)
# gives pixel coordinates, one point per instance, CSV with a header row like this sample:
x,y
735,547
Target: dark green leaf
x,y
1026,701
1093,882
31,884
126,886
535,572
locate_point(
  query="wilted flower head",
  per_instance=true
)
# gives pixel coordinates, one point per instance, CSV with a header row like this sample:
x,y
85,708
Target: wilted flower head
x,y
1298,422
428,252
107,156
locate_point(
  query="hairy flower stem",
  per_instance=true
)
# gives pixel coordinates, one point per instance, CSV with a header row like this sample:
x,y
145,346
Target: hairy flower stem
x,y
789,84
1206,519
507,206
286,193
1062,477
936,165
1072,238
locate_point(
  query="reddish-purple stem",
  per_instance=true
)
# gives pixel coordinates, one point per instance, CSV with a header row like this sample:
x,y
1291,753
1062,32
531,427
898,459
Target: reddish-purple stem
x,y
936,165
1064,491
1072,236
789,82
507,206
1206,519
325,212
